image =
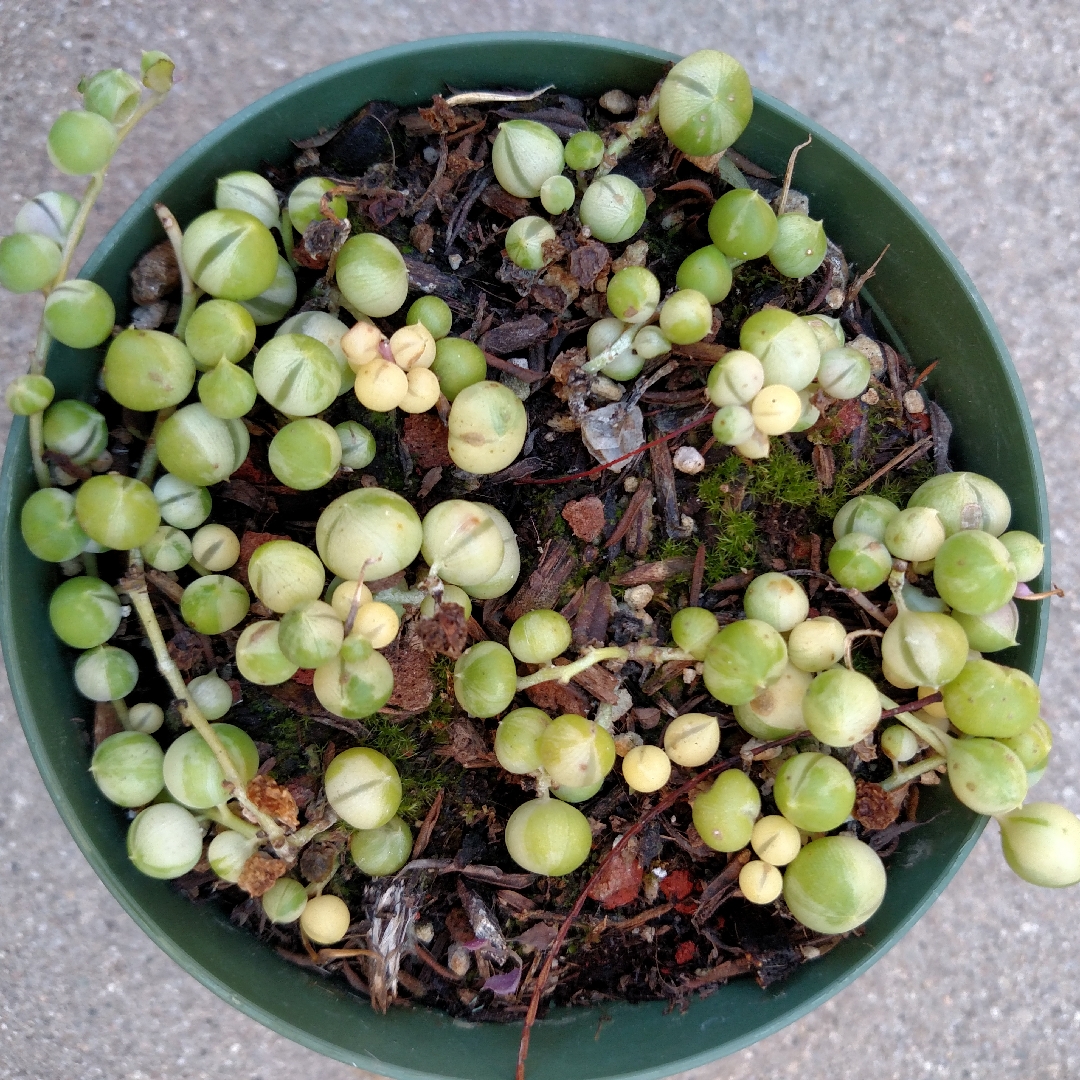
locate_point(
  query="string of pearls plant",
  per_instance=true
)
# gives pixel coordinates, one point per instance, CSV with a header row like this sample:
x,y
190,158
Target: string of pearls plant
x,y
783,673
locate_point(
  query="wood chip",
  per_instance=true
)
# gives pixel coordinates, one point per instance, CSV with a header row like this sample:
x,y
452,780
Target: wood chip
x,y
664,478
620,881
557,563
591,625
555,698
414,688
423,837
155,275
468,747
650,573
721,887
640,504
106,722
502,202
588,262
729,969
697,576
601,683
516,336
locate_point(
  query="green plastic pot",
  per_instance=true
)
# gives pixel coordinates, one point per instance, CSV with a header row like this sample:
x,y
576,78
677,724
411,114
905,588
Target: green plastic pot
x,y
928,307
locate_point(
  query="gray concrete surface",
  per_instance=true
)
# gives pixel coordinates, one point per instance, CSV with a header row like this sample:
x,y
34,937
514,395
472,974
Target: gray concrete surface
x,y
973,109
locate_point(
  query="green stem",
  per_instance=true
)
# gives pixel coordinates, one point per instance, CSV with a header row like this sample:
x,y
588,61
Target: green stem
x,y
78,227
623,342
135,586
929,734
287,238
151,103
303,836
224,816
198,568
634,130
150,455
565,673
656,654
176,238
404,597
35,432
120,705
90,565
852,638
912,772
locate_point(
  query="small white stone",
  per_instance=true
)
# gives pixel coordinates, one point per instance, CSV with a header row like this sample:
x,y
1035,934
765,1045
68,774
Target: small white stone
x,y
688,460
639,597
459,960
870,397
454,261
618,102
872,351
425,933
835,299
631,484
914,403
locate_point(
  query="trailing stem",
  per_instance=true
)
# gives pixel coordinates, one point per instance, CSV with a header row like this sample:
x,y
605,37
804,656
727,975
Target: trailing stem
x,y
623,342
135,586
566,672
634,130
913,772
71,242
189,293
150,455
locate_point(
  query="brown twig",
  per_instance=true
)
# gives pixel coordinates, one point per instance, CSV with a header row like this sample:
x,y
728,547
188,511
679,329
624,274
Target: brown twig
x,y
864,602
911,706
865,276
579,904
442,972
900,458
423,837
637,501
524,374
633,453
788,173
698,576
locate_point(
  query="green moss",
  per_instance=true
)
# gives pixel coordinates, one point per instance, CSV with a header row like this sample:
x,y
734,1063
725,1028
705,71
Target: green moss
x,y
713,488
396,740
865,662
418,793
677,549
783,478
735,548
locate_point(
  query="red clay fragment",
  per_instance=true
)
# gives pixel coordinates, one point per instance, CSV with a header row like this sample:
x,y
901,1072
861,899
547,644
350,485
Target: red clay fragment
x,y
585,518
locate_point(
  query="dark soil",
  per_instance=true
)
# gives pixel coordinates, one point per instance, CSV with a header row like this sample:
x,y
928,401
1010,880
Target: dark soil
x,y
671,921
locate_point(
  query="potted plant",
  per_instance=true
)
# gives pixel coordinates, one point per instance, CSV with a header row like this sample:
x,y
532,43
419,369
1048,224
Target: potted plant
x,y
928,313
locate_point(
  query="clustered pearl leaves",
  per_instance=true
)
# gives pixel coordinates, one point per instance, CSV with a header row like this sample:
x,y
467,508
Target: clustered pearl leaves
x,y
776,382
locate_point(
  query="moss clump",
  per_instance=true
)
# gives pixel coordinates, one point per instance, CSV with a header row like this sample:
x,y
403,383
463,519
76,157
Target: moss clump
x,y
735,548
